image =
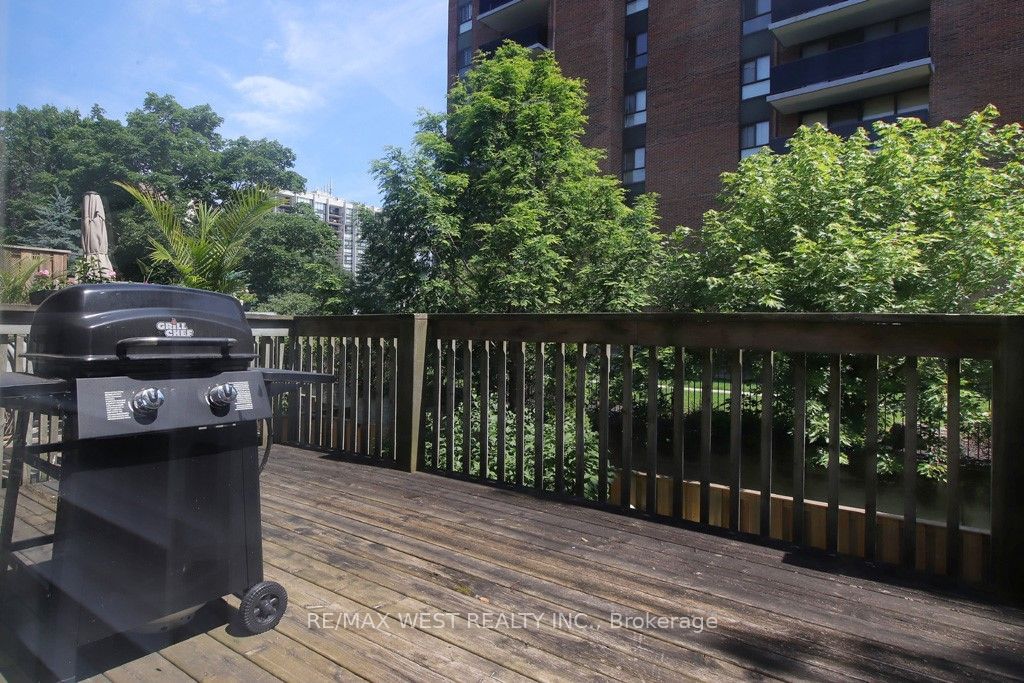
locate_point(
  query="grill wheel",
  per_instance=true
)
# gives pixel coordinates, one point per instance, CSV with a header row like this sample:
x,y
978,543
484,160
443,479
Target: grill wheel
x,y
262,607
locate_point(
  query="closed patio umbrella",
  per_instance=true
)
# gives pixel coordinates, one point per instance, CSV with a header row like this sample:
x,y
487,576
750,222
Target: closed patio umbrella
x,y
94,232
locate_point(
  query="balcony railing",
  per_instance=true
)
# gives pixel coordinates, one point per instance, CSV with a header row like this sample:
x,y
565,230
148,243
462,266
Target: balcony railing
x,y
488,5
865,57
528,37
845,130
784,9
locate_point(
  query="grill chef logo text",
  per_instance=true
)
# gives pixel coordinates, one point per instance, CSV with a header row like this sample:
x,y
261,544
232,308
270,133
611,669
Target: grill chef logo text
x,y
175,329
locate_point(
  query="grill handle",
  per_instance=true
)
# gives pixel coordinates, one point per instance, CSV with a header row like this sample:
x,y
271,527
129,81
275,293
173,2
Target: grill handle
x,y
224,343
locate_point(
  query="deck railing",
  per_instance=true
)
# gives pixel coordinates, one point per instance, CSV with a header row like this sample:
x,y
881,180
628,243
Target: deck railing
x,y
674,416
770,425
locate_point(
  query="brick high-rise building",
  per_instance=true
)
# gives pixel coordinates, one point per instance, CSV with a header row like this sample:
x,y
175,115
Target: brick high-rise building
x,y
680,90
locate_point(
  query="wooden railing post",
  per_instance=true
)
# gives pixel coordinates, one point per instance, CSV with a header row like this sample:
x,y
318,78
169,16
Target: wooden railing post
x,y
1008,460
412,349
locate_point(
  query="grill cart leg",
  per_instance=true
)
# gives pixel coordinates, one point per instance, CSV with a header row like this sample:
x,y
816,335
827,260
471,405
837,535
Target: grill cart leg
x,y
13,485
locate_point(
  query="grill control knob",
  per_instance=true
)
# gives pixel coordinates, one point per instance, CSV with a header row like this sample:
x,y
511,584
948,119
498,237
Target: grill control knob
x,y
148,401
222,395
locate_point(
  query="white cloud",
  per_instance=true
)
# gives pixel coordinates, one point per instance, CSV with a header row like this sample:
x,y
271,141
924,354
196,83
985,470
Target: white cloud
x,y
276,95
345,44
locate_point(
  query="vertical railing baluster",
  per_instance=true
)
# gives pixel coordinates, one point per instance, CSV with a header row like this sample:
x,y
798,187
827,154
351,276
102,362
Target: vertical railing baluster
x,y
519,399
581,418
767,442
706,389
437,404
626,475
502,408
735,438
678,429
343,396
330,423
467,405
449,361
908,554
953,549
485,407
603,401
378,445
560,418
316,393
652,431
871,459
357,373
799,443
367,394
835,396
538,418
392,345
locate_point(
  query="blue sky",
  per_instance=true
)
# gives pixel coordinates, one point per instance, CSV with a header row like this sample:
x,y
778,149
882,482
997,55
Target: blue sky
x,y
335,80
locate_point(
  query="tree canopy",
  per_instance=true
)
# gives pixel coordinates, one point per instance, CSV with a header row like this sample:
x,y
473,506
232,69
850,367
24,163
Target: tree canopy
x,y
499,207
917,219
175,150
292,266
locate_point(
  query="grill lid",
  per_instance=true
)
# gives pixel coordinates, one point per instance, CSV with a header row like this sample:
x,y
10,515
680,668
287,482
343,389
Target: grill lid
x,y
90,330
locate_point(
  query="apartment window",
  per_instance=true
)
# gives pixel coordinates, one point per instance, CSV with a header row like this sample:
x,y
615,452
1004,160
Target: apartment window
x,y
636,51
465,17
911,100
634,165
753,138
812,117
635,6
879,107
755,8
756,15
465,58
756,77
636,108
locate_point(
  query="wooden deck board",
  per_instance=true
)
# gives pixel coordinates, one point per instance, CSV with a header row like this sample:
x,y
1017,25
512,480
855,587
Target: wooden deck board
x,y
384,546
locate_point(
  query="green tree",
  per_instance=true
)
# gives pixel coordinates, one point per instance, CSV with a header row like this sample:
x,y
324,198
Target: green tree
x,y
54,226
176,151
280,247
292,264
206,251
500,207
918,220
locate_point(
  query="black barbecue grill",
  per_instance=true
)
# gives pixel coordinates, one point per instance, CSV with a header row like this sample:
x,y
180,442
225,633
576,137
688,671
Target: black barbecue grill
x,y
158,508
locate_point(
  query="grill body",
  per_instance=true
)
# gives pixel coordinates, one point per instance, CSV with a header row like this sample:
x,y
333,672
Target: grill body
x,y
158,508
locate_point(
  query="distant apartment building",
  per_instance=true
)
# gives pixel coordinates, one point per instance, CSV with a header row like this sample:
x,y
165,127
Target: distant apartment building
x,y
340,214
681,90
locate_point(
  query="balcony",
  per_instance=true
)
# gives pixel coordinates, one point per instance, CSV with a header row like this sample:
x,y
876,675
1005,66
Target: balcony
x,y
534,37
508,16
798,21
871,68
847,129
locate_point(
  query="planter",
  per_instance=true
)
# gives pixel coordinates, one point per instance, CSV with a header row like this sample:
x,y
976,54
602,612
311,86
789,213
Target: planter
x,y
39,296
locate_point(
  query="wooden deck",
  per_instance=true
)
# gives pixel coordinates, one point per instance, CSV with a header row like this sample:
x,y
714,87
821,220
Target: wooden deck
x,y
478,567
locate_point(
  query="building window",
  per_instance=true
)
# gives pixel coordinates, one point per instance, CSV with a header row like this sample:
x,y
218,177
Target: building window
x,y
753,138
635,6
756,77
756,15
465,58
636,52
636,108
465,13
911,100
634,165
755,8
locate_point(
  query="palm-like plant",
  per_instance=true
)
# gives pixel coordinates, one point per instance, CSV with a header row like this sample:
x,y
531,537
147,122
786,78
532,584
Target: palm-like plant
x,y
206,251
16,278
